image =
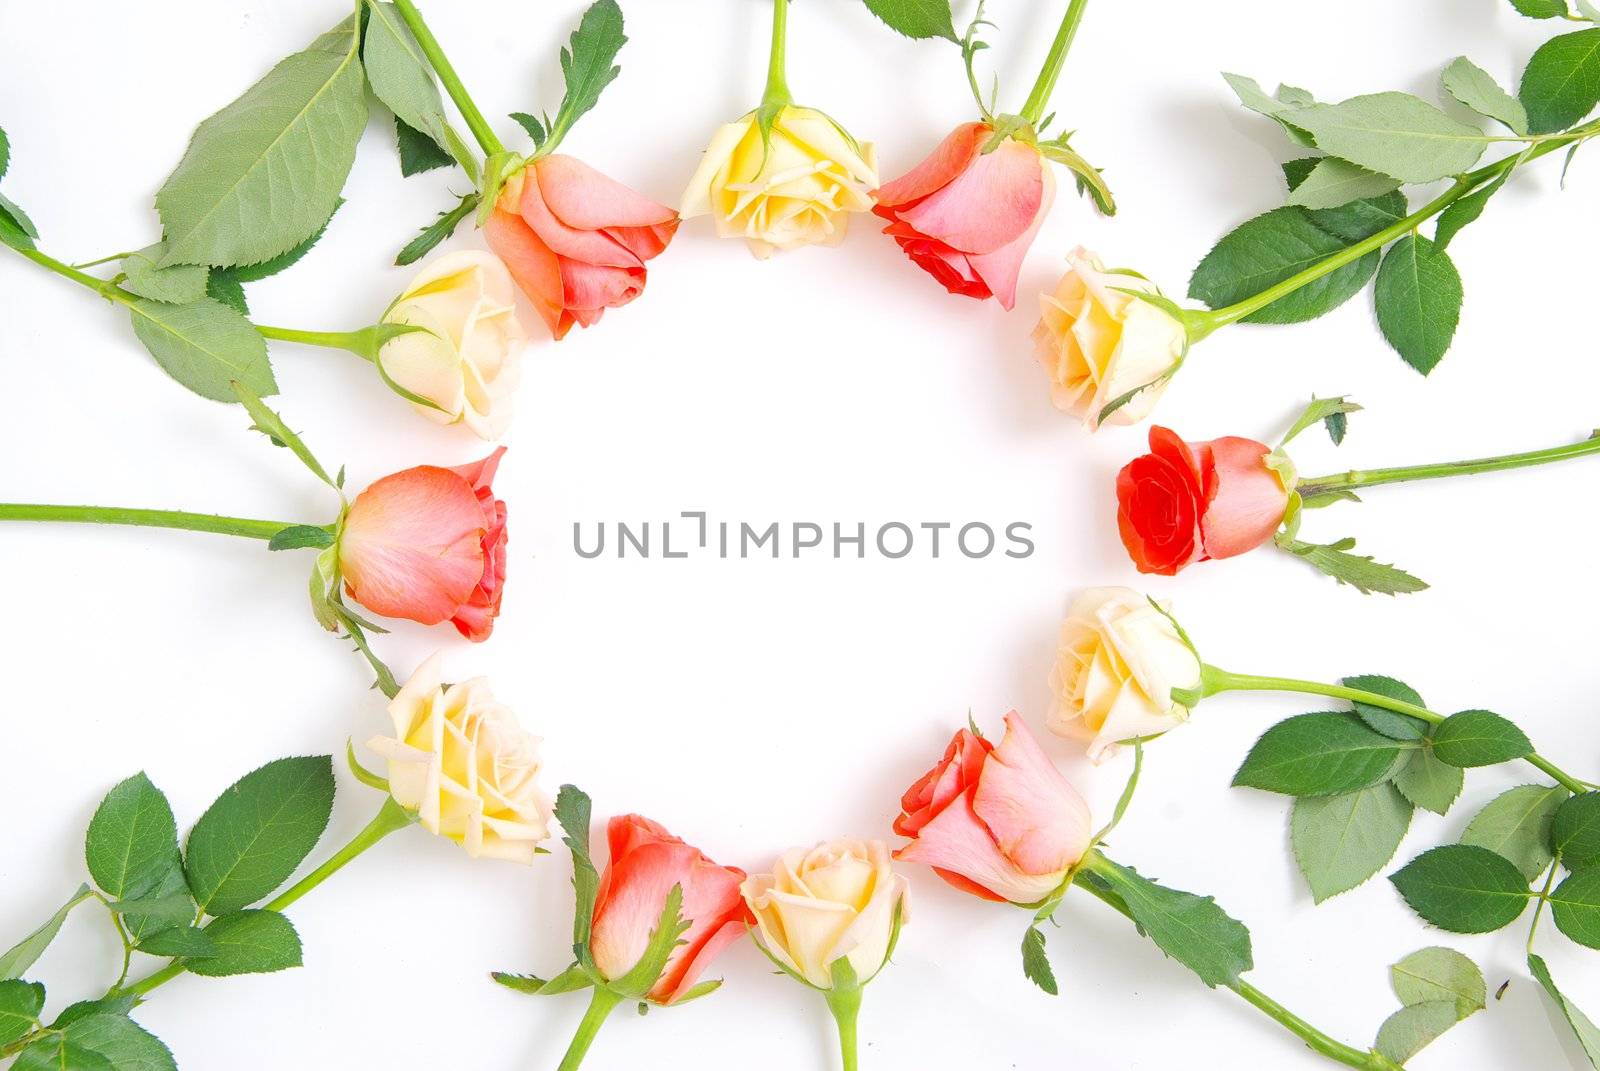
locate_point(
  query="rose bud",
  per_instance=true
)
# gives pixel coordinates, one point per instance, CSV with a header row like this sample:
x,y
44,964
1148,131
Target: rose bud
x,y
1097,343
646,863
576,241
966,216
996,821
840,900
1117,663
466,361
429,545
791,186
460,761
1189,502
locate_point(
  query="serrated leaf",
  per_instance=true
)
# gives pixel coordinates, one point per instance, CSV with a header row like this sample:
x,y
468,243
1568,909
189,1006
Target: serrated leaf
x,y
1320,754
437,231
257,832
402,79
1036,961
532,125
1191,929
204,345
1583,1027
54,1052
1390,723
249,942
5,153
160,908
1517,825
1434,974
1477,89
1561,83
109,1032
1334,182
1394,134
664,938
573,810
919,19
298,536
1412,1028
263,269
1463,888
1541,9
588,63
418,152
1358,570
1279,107
177,285
1429,783
1575,831
1418,297
1268,249
568,981
20,1004
222,285
1576,906
263,174
1341,841
179,942
1479,738
1462,212
132,842
14,226
272,425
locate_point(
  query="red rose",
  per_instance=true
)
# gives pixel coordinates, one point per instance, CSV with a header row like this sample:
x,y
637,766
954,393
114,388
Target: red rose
x,y
1187,502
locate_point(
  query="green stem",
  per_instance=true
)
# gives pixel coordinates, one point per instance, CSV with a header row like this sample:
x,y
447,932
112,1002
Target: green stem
x,y
1373,477
1544,898
845,1004
776,94
104,287
1215,681
1207,322
447,75
1045,84
1315,1039
601,1005
359,342
244,527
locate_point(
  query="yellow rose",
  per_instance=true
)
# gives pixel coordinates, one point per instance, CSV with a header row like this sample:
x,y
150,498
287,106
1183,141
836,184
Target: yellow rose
x,y
795,189
1118,661
836,901
1098,344
466,362
463,764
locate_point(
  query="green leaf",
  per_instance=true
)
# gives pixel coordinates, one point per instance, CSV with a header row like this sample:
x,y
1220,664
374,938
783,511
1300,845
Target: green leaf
x,y
1363,218
588,62
5,153
1561,83
920,19
270,424
264,173
20,1004
109,1032
402,79
573,810
670,927
1477,89
1410,1030
1036,961
161,907
1583,1027
1435,974
437,231
1463,888
178,285
570,980
1358,570
1541,9
1429,783
1321,754
1418,296
249,942
14,226
418,152
263,269
1341,841
1576,906
1334,182
1394,134
1517,825
531,124
179,942
1575,830
1268,249
132,841
224,286
298,536
257,832
204,345
1390,723
1280,107
1462,212
1479,738
1085,176
54,1052
1191,929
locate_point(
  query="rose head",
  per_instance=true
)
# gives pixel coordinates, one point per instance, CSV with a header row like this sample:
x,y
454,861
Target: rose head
x,y
460,761
966,216
429,545
1189,502
1097,343
576,241
1118,660
646,862
835,901
998,821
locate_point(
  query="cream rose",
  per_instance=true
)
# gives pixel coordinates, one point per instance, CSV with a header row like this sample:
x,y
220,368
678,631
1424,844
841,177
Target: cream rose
x,y
835,901
466,362
795,188
1098,344
463,764
1118,661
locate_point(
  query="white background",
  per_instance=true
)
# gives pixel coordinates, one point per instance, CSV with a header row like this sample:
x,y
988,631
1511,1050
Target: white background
x,y
754,705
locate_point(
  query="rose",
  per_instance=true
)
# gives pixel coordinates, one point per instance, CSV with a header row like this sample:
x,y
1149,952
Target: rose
x,y
996,821
646,862
1189,502
1097,343
576,241
466,361
839,900
463,764
1118,660
967,216
429,544
790,186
